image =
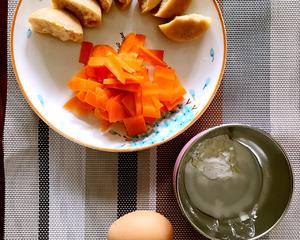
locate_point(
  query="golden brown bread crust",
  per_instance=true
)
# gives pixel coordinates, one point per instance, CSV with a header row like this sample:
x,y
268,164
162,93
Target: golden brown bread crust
x,y
172,8
105,5
87,11
148,5
57,23
123,4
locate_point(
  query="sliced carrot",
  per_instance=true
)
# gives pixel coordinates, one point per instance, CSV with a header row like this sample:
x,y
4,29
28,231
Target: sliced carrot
x,y
96,100
81,95
164,83
164,72
132,43
125,66
102,73
178,92
91,98
158,53
131,78
129,103
172,106
81,74
110,81
150,120
90,72
164,110
85,52
77,107
138,102
102,50
143,75
158,105
100,114
150,89
112,63
116,111
131,60
118,87
119,97
80,84
135,125
104,125
96,61
128,43
101,92
149,57
149,109
139,42
132,87
140,39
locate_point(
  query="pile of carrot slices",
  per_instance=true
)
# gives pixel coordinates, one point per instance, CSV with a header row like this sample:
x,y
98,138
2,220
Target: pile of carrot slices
x,y
117,86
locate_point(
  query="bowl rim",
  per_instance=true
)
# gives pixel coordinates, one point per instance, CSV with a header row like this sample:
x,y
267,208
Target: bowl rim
x,y
201,134
129,149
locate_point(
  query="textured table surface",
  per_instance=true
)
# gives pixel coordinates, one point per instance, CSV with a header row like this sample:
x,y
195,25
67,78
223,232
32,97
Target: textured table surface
x,y
55,189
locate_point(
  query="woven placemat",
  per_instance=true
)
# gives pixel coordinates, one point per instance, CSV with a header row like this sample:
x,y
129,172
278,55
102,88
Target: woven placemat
x,y
55,189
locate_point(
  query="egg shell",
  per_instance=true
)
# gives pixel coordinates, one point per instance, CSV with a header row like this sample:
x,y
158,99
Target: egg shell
x,y
141,225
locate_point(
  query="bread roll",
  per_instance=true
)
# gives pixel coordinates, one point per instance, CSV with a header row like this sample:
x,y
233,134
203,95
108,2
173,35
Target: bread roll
x,y
87,11
58,23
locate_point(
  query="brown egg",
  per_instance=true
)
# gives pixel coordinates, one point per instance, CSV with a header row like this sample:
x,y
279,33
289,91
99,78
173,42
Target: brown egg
x,y
141,225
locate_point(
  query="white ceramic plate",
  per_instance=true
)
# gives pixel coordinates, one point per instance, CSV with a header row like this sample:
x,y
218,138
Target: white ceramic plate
x,y
43,65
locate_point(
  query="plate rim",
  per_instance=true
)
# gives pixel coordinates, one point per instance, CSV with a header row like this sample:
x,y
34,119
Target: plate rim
x,y
129,149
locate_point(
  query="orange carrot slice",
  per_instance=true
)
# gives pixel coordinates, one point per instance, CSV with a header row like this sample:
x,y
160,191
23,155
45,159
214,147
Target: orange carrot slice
x,y
81,95
150,120
96,61
158,53
80,84
129,103
150,89
102,51
113,64
139,42
90,72
158,105
116,111
164,72
85,52
149,109
128,43
131,60
135,125
100,114
149,57
77,107
96,100
110,81
102,73
172,106
125,87
138,102
81,74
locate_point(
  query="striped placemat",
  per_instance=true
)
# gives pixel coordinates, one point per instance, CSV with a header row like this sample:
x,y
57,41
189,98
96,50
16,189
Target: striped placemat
x,y
55,189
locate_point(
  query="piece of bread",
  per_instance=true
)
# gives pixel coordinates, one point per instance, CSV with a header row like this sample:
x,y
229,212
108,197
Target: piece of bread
x,y
172,8
87,11
148,5
105,5
123,4
186,28
58,23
